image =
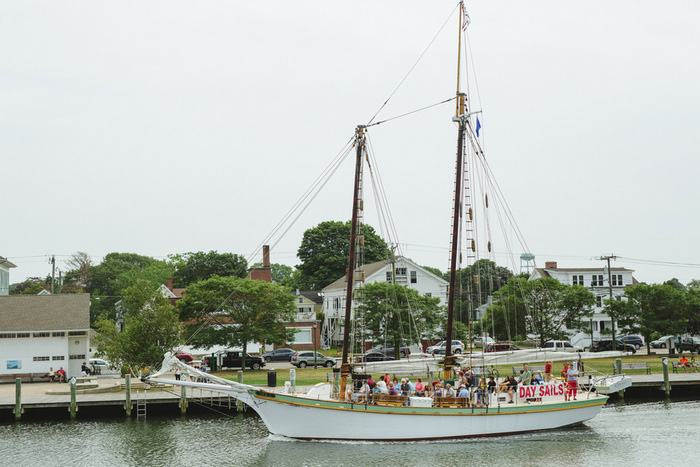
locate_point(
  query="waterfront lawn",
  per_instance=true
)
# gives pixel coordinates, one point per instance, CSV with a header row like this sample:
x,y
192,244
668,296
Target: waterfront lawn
x,y
603,366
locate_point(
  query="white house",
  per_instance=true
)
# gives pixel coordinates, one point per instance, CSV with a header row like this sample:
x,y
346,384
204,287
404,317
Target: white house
x,y
407,273
5,266
42,331
596,280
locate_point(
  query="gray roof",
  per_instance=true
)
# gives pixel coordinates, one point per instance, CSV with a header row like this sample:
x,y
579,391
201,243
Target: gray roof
x,y
368,268
312,295
44,312
545,271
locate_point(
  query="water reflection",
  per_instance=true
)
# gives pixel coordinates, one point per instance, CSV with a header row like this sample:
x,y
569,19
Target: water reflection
x,y
623,433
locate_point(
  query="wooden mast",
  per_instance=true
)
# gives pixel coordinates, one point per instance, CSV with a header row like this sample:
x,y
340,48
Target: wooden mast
x,y
460,113
345,366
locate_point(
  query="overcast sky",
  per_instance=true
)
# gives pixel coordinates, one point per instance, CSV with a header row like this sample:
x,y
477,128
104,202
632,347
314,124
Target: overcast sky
x,y
167,127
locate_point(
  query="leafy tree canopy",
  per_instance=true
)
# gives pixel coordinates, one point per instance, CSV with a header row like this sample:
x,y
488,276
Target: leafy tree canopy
x,y
398,315
151,328
478,281
31,286
542,307
199,266
231,312
325,249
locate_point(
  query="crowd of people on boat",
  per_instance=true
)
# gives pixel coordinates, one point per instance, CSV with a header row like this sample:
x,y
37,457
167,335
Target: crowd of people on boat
x,y
473,388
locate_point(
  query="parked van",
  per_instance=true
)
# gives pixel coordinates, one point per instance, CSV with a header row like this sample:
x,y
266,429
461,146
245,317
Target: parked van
x,y
564,346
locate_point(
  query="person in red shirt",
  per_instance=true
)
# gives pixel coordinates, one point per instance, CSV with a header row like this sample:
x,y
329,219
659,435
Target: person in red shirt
x,y
547,371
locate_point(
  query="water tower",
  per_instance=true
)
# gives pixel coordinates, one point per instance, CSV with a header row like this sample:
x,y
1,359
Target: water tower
x,y
527,263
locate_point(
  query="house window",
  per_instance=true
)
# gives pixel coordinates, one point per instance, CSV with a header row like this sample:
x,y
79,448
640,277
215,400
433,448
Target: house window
x,y
76,357
58,358
602,325
22,334
301,300
400,271
42,334
41,359
414,277
618,298
619,279
303,336
578,280
7,335
58,334
599,301
594,325
428,294
594,280
388,276
77,333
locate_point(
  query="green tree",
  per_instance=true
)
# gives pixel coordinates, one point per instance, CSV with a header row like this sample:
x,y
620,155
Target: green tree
x,y
232,312
151,328
477,282
200,266
325,249
79,274
31,286
115,273
437,272
397,315
651,308
547,306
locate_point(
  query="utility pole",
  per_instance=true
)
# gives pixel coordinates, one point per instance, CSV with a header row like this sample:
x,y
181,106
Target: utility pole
x,y
53,271
608,258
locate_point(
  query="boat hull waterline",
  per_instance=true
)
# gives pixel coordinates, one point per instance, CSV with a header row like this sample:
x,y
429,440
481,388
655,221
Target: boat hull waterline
x,y
308,419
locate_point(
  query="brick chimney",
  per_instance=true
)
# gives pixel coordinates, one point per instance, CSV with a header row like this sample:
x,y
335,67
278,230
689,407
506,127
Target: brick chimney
x,y
266,256
550,265
169,283
265,272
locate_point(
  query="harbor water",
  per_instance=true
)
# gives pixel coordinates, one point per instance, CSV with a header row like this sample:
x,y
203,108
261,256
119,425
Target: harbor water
x,y
640,433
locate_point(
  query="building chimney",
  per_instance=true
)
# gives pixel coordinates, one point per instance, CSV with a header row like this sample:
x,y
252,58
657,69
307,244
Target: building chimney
x,y
169,283
550,265
266,256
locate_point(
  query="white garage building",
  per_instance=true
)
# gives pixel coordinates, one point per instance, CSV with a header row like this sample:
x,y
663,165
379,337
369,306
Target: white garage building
x,y
42,331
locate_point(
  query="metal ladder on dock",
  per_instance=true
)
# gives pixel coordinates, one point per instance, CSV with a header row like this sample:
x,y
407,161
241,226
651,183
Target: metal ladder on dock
x,y
141,404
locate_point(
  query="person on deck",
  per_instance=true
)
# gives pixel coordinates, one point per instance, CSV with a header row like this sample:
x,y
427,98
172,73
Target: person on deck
x,y
405,388
450,391
392,389
572,383
564,371
685,363
547,371
381,384
371,383
61,373
51,374
420,388
693,365
491,385
526,375
512,388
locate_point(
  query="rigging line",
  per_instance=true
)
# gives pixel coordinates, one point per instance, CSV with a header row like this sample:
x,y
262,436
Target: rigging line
x,y
411,112
312,198
414,65
384,202
651,261
337,159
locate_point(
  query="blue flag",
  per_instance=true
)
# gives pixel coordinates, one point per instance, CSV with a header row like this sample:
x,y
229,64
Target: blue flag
x,y
478,126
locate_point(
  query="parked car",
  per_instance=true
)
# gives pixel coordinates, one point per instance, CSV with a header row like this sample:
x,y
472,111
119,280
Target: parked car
x,y
233,359
691,344
97,365
388,350
499,347
602,346
183,356
482,342
663,343
372,356
305,358
278,355
635,340
439,348
564,346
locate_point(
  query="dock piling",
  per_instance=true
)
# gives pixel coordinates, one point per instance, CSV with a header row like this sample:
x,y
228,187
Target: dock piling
x,y
18,411
127,386
239,404
667,383
618,366
183,400
73,409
